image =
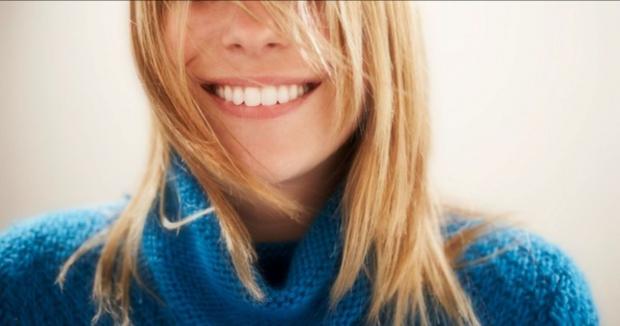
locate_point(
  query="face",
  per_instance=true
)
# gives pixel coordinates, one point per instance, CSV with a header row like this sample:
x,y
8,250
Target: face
x,y
282,128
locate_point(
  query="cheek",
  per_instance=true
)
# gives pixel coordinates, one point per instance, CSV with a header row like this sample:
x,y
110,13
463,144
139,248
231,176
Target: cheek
x,y
204,22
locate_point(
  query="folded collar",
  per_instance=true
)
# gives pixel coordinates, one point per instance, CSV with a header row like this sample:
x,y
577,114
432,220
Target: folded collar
x,y
192,270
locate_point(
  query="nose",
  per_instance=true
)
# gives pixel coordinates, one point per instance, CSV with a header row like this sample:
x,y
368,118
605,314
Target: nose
x,y
248,36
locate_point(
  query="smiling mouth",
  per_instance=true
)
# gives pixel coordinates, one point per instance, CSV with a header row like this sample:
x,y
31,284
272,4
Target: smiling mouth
x,y
270,95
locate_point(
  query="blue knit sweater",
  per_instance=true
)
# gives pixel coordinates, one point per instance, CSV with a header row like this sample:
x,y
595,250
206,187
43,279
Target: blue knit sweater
x,y
533,283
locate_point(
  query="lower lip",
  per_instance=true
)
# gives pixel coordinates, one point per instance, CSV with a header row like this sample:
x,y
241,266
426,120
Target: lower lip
x,y
260,111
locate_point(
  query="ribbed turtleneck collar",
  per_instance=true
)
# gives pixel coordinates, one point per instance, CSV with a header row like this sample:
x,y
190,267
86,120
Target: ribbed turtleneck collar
x,y
192,272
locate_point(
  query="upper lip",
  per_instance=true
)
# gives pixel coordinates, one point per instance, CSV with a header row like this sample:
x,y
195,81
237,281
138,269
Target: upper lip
x,y
260,81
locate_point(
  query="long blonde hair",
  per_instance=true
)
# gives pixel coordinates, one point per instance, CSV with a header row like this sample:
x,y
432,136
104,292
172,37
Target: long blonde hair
x,y
375,58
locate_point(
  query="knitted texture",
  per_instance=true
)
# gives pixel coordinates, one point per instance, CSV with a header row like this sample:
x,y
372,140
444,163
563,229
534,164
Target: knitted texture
x,y
534,282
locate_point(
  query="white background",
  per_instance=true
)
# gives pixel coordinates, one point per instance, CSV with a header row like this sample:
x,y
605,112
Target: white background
x,y
524,103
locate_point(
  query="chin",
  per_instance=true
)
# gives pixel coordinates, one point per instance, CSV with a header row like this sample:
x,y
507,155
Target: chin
x,y
282,172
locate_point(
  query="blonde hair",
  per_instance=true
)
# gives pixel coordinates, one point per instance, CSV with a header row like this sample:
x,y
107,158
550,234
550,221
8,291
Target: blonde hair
x,y
374,57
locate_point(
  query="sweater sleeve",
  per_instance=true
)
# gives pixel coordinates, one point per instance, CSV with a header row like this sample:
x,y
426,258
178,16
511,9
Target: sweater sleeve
x,y
31,253
571,301
530,281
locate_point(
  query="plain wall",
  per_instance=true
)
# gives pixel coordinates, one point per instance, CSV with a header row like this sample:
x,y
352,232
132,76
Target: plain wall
x,y
524,100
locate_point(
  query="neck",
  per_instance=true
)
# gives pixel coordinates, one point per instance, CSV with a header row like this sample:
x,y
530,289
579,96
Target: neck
x,y
311,190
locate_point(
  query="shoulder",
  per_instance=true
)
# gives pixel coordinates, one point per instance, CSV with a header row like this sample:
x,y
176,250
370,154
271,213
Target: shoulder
x,y
52,233
516,276
33,249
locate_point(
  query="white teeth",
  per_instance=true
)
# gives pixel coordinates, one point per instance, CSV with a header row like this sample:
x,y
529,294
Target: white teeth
x,y
251,96
254,96
283,94
227,93
268,95
237,95
292,91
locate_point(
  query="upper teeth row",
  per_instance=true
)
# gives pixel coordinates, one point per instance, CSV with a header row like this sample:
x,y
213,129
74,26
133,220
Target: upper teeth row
x,y
253,96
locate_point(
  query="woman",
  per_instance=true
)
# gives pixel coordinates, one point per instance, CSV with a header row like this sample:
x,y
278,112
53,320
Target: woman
x,y
287,185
